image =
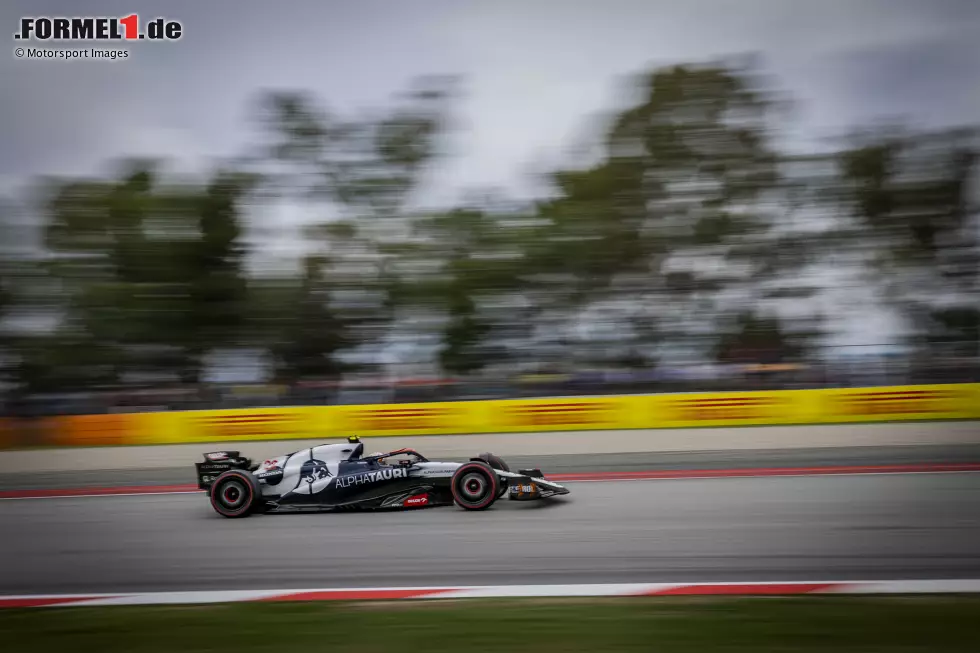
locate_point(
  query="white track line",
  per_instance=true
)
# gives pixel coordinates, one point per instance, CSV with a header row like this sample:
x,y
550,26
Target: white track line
x,y
784,588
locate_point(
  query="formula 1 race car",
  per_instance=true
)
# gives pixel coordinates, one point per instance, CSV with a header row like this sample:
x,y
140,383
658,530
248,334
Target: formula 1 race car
x,y
337,477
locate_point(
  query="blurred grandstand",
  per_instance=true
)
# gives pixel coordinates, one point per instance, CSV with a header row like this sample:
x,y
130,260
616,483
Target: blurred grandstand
x,y
850,367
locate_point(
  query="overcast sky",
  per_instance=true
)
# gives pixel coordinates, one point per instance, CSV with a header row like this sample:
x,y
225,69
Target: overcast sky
x,y
535,71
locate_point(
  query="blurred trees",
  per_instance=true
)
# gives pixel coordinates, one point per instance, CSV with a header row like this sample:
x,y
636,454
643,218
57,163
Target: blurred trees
x,y
691,232
149,278
467,274
686,207
360,173
912,198
298,327
9,261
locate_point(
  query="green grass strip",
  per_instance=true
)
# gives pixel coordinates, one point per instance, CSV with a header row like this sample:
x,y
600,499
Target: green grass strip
x,y
838,624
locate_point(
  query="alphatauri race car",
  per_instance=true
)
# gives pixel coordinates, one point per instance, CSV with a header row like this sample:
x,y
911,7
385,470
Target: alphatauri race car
x,y
333,477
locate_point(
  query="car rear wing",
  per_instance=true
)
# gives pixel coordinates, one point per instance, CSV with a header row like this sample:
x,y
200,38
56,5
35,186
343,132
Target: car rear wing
x,y
217,463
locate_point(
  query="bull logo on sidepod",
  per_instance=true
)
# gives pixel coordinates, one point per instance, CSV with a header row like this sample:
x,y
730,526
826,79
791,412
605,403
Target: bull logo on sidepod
x,y
314,470
314,476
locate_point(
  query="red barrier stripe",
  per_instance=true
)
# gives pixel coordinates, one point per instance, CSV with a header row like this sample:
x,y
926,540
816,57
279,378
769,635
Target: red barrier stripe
x,y
235,419
561,404
402,413
711,403
555,409
272,417
909,394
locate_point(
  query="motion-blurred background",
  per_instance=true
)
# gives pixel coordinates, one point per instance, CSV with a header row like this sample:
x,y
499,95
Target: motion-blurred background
x,y
376,202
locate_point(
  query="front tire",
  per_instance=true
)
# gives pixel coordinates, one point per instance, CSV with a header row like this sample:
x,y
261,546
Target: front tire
x,y
235,494
494,461
475,486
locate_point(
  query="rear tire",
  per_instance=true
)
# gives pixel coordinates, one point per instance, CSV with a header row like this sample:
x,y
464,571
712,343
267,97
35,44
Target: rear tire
x,y
475,486
235,494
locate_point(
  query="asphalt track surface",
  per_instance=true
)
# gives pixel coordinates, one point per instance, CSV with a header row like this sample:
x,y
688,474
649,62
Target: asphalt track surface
x,y
858,527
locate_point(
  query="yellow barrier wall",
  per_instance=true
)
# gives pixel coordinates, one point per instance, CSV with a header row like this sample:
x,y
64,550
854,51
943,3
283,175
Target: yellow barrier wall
x,y
728,409
932,402
234,425
897,403
438,418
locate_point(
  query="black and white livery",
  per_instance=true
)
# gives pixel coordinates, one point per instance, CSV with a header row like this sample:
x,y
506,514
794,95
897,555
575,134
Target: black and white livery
x,y
339,477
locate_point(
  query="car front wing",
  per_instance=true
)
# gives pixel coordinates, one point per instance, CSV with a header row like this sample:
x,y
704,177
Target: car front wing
x,y
530,485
